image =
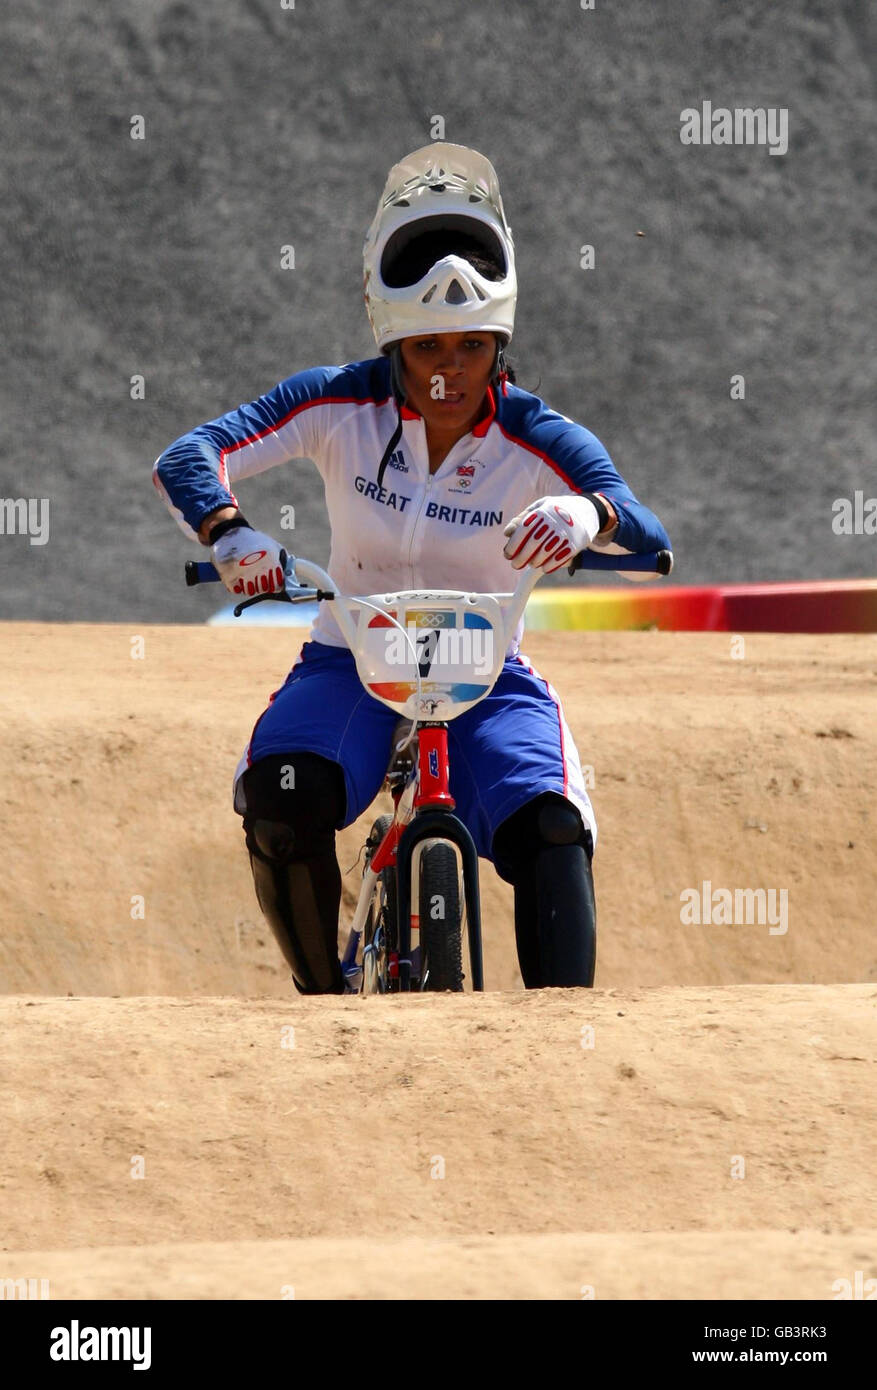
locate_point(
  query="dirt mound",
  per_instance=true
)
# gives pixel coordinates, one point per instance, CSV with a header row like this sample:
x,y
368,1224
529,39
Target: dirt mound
x,y
207,1133
744,774
627,1265
338,1130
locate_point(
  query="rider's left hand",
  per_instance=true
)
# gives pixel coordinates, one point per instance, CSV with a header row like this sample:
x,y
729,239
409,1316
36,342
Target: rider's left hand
x,y
550,532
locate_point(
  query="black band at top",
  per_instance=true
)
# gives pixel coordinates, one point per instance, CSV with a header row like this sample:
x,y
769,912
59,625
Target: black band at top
x,y
228,524
602,509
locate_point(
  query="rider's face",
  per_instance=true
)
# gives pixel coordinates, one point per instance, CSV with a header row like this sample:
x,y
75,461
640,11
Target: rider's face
x,y
446,377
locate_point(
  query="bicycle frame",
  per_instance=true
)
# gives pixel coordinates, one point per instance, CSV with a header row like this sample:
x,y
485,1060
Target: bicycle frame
x,y
423,811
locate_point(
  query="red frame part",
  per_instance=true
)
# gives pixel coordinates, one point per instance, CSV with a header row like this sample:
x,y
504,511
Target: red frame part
x,y
433,788
434,768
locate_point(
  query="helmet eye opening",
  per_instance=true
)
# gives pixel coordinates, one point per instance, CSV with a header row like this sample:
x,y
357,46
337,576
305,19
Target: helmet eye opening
x,y
412,250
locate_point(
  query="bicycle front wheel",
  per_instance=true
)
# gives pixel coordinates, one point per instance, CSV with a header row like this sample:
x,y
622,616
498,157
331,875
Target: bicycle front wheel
x,y
441,943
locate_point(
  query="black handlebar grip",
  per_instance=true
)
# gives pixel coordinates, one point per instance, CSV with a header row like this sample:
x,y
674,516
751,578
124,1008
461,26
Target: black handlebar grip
x,y
200,572
646,562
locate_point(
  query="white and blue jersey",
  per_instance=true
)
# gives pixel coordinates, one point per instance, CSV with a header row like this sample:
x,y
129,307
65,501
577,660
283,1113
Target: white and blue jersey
x,y
411,529
417,530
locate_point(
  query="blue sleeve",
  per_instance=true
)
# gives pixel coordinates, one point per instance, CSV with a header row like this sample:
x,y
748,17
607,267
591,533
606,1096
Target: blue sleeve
x,y
196,473
575,456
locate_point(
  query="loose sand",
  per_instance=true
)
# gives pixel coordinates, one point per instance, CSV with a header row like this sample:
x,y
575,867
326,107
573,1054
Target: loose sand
x,y
702,1124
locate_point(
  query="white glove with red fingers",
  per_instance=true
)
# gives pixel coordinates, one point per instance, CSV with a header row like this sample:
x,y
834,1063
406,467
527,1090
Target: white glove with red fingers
x,y
550,532
248,562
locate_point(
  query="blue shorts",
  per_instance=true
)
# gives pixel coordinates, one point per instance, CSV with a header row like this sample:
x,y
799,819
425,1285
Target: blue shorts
x,y
509,748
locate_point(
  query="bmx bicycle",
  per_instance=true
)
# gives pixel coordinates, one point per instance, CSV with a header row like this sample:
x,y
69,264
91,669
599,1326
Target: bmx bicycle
x,y
430,655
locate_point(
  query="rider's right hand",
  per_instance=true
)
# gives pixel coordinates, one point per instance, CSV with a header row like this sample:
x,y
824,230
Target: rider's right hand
x,y
248,562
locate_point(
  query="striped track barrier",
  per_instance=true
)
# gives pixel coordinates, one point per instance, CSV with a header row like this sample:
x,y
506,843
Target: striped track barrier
x,y
842,605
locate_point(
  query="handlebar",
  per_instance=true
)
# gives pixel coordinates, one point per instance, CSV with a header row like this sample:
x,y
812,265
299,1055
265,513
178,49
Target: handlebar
x,y
502,613
649,562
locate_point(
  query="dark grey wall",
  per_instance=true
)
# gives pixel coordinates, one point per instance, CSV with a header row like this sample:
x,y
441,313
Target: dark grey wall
x,y
267,126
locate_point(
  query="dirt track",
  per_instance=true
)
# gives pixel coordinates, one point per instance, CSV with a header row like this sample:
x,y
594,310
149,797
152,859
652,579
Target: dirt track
x,y
564,1165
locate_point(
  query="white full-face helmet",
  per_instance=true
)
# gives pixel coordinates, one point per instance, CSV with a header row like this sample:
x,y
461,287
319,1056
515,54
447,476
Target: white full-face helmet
x,y
442,196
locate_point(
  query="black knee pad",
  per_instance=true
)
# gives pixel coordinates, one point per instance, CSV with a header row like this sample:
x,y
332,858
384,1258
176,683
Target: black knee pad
x,y
272,840
546,821
294,804
545,850
559,823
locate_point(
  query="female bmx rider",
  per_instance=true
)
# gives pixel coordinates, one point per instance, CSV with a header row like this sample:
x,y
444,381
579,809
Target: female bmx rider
x,y
439,472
